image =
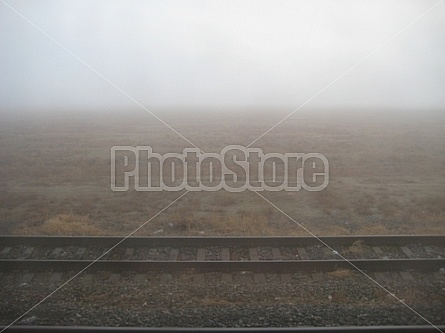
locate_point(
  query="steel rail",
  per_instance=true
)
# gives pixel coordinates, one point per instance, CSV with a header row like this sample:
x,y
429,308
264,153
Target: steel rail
x,y
263,266
185,241
348,329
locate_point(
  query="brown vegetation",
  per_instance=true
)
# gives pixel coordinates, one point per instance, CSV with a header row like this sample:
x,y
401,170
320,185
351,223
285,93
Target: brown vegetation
x,y
386,177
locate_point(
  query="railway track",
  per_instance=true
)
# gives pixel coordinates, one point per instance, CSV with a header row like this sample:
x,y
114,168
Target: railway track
x,y
22,258
225,254
364,329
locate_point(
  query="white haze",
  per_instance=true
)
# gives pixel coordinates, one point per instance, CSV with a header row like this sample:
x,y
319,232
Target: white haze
x,y
221,54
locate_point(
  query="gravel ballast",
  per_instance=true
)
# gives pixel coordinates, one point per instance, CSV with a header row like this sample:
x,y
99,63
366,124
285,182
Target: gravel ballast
x,y
340,298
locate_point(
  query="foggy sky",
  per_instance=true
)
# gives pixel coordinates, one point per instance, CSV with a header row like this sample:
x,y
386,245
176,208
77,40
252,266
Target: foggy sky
x,y
222,53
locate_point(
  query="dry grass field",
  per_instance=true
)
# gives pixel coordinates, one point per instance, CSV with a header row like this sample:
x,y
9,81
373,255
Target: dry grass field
x,y
387,174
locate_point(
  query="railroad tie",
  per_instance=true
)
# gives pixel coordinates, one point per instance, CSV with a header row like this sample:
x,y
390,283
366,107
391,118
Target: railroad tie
x,y
86,278
199,278
55,277
428,249
435,250
274,277
152,254
407,252
380,277
377,250
226,277
276,254
166,278
302,253
27,278
140,278
225,254
128,254
286,278
328,252
27,253
56,252
317,276
114,277
253,253
259,278
81,251
174,253
5,252
201,254
407,276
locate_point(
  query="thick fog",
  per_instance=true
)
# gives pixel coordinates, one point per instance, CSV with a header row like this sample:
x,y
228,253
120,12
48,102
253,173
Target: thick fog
x,y
69,54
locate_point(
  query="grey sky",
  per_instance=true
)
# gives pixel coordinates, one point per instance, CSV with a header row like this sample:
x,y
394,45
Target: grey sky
x,y
222,53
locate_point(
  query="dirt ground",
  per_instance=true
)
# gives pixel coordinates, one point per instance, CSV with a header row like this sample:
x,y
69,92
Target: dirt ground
x,y
387,174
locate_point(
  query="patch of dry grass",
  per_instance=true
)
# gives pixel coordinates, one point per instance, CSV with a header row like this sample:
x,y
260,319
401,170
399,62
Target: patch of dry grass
x,y
63,224
356,249
248,224
373,230
342,273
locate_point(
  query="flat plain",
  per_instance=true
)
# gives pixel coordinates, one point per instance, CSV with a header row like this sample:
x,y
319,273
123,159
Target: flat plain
x,y
387,173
